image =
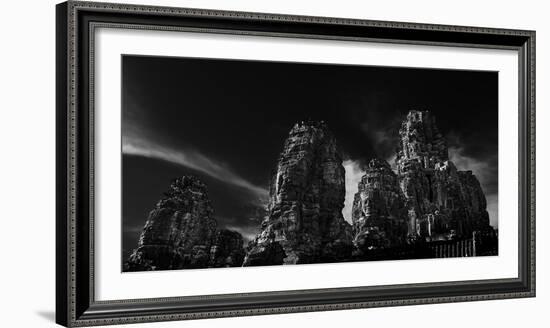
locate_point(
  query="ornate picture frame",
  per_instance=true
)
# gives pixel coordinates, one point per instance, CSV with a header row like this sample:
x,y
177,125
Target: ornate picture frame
x,y
77,22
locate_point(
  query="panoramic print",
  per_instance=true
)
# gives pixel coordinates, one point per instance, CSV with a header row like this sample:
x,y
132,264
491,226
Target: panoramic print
x,y
234,163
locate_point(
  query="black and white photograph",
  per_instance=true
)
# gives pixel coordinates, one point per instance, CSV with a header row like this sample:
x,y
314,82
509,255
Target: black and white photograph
x,y
268,163
237,163
274,164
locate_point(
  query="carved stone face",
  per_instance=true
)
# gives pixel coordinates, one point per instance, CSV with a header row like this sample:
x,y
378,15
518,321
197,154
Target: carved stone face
x,y
368,207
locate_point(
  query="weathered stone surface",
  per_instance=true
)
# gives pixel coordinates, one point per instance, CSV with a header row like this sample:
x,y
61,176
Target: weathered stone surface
x,y
427,207
180,232
427,200
379,210
306,200
271,253
443,203
227,249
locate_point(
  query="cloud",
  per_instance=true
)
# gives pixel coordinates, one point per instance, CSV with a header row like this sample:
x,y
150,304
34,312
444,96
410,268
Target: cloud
x,y
132,145
353,176
391,160
492,208
248,233
486,171
383,138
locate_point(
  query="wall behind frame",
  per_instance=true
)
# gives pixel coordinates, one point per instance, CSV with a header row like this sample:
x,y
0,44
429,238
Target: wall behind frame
x,y
27,144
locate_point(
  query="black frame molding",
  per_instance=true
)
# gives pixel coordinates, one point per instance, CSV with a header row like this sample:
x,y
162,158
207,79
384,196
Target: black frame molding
x,y
76,23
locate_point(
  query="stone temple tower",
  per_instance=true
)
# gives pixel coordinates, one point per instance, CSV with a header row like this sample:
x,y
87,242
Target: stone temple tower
x,y
442,202
427,194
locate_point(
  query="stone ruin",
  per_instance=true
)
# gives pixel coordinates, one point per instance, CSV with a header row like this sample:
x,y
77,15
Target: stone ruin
x,y
181,233
427,195
305,222
426,202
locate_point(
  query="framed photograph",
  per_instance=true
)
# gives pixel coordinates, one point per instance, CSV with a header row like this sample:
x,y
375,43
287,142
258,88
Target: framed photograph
x,y
215,163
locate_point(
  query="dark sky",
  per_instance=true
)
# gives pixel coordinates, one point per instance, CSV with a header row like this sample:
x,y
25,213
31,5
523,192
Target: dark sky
x,y
226,120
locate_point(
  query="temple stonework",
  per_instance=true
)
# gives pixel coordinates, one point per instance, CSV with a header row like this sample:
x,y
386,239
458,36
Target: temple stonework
x,y
427,194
